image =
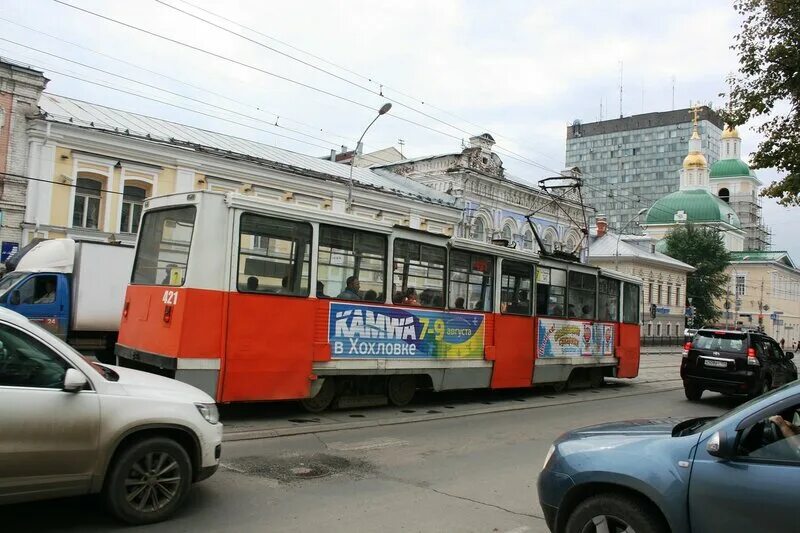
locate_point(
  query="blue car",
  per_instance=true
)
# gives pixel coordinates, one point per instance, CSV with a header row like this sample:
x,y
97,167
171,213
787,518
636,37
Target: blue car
x,y
738,472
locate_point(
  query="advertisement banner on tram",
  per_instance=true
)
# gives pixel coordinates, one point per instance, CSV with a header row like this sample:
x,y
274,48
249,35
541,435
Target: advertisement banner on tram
x,y
574,338
368,331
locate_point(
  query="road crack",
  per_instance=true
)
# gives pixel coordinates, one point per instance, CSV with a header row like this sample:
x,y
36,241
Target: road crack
x,y
501,508
425,485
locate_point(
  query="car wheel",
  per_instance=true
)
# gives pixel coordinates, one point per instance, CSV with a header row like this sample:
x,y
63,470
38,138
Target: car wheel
x,y
693,392
614,512
762,387
148,481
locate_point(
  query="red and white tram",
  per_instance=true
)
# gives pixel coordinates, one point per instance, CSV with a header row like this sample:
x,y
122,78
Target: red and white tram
x,y
252,299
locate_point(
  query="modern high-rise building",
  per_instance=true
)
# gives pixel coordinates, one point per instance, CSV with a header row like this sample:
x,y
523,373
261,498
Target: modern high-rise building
x,y
629,163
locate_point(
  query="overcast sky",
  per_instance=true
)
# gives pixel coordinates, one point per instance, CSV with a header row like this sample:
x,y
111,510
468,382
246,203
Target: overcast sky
x,y
521,70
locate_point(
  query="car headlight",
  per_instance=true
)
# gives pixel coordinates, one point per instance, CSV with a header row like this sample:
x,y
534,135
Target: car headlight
x,y
208,411
547,457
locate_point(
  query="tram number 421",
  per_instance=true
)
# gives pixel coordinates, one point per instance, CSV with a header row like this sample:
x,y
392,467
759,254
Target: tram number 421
x,y
170,297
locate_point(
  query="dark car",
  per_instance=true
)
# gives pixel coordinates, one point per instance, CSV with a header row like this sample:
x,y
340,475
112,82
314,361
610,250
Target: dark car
x,y
745,363
736,473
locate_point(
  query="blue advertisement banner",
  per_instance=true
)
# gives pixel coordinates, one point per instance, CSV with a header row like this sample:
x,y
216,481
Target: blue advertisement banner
x,y
574,338
368,331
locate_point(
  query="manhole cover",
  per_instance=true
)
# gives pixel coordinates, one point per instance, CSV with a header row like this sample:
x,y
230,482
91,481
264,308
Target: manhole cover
x,y
356,416
304,420
433,412
449,407
297,468
408,411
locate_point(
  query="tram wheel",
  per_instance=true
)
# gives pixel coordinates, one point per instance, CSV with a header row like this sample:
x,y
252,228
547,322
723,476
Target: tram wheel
x,y
400,390
559,386
323,398
596,378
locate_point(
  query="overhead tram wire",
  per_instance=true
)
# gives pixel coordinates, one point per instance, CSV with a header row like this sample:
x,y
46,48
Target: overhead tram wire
x,y
518,157
370,79
513,155
42,180
336,76
173,93
176,80
252,67
310,65
124,91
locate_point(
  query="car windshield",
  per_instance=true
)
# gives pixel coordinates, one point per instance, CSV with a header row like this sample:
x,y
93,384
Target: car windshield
x,y
707,422
723,341
9,280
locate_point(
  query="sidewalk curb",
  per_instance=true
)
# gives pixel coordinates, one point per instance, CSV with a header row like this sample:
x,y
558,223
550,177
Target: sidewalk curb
x,y
342,426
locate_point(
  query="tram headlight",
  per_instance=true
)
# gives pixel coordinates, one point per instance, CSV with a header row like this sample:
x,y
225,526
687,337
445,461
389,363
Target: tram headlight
x,y
208,411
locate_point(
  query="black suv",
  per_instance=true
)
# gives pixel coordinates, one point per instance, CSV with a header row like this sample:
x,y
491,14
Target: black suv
x,y
734,362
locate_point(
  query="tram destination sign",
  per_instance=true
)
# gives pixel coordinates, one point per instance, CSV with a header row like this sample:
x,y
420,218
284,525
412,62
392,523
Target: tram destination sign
x,y
360,331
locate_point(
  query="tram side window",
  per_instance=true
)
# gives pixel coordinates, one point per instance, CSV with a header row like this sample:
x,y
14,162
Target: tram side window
x,y
551,291
630,303
274,255
163,250
418,274
471,281
582,295
351,264
608,306
515,288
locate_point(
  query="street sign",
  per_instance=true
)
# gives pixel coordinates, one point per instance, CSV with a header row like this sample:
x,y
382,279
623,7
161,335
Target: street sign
x,y
8,250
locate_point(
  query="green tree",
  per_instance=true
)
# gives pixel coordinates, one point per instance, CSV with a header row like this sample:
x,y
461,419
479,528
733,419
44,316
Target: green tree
x,y
768,47
704,249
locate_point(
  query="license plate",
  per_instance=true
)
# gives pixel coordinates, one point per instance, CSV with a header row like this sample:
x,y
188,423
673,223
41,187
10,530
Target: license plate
x,y
716,364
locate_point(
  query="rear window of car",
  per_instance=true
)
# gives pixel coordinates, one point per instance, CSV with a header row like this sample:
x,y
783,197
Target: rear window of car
x,y
720,341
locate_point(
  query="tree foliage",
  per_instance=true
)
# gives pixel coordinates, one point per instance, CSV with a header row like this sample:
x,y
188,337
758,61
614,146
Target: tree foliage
x,y
704,249
768,81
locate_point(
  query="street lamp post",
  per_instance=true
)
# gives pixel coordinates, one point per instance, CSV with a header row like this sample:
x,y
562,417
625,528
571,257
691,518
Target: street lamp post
x,y
382,111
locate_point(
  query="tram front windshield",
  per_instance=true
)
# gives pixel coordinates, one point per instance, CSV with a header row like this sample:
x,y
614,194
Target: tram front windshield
x,y
163,250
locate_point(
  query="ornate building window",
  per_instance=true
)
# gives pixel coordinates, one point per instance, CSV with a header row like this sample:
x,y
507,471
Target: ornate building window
x,y
132,202
86,209
479,230
527,240
507,233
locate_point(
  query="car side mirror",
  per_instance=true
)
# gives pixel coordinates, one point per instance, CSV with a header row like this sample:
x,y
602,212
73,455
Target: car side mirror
x,y
14,299
720,446
74,381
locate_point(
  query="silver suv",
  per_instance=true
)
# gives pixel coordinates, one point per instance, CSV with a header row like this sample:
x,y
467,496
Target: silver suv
x,y
71,427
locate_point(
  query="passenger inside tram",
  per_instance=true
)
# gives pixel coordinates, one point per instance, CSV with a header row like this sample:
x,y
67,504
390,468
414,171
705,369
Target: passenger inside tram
x,y
459,303
410,297
252,283
351,290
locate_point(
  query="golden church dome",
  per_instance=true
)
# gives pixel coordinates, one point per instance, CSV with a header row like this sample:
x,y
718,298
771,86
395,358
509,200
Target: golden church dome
x,y
695,160
730,133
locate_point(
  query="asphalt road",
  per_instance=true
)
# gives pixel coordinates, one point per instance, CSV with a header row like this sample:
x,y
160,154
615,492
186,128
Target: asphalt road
x,y
471,473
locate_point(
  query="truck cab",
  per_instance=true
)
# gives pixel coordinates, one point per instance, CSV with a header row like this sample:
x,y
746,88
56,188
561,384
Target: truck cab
x,y
74,289
43,297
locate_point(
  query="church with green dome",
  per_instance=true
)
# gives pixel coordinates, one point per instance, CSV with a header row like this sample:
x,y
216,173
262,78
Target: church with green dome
x,y
702,199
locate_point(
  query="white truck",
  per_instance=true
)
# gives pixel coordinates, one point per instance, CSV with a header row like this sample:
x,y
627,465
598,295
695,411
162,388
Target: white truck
x,y
75,289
